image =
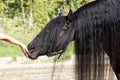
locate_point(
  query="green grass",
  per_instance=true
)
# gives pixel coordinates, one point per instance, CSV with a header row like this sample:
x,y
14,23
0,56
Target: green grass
x,y
7,49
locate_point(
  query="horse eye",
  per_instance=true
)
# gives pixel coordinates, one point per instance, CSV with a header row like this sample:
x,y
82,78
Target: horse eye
x,y
63,31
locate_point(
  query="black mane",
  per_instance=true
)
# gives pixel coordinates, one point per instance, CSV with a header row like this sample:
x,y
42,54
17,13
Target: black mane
x,y
98,28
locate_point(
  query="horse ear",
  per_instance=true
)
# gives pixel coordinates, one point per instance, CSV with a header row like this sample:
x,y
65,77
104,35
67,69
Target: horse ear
x,y
60,12
70,16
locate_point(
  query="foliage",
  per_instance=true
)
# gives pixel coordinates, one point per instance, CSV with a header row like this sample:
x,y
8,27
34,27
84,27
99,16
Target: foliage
x,y
43,10
2,7
13,7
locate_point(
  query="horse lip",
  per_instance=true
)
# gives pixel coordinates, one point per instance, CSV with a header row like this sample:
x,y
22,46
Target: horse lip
x,y
32,58
30,55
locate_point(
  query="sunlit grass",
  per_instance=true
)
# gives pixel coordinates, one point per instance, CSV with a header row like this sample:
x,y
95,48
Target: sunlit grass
x,y
8,50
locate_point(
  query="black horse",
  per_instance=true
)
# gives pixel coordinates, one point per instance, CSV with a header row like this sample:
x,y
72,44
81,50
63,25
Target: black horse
x,y
95,28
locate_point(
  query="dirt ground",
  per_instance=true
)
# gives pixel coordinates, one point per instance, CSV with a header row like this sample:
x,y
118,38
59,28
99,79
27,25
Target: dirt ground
x,y
62,71
39,71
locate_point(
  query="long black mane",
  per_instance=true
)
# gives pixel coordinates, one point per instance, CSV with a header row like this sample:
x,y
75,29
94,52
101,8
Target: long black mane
x,y
98,28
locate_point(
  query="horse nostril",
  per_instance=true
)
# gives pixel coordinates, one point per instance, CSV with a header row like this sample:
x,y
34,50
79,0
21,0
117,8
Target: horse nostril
x,y
31,50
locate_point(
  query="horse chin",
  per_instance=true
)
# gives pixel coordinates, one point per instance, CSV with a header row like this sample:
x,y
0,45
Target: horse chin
x,y
33,57
52,54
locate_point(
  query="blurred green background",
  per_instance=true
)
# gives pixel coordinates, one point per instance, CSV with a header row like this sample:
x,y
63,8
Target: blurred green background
x,y
24,19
